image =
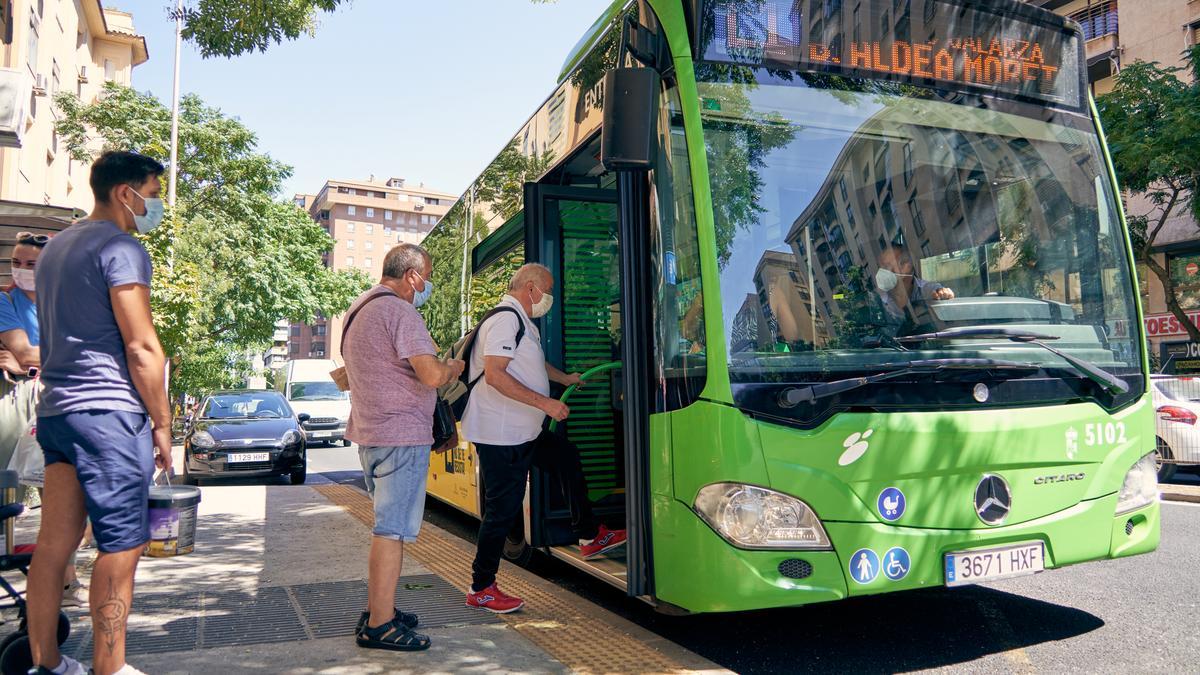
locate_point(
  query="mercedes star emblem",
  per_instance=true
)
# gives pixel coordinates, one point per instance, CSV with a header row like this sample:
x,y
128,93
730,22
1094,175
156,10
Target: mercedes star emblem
x,y
992,499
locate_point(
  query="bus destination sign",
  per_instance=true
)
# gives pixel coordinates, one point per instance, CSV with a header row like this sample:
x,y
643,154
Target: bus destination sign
x,y
925,42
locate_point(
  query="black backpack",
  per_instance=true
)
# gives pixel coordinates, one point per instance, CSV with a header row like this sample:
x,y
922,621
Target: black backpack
x,y
457,392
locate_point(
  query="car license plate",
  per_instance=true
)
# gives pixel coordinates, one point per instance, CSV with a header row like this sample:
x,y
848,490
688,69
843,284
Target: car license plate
x,y
322,434
989,564
249,457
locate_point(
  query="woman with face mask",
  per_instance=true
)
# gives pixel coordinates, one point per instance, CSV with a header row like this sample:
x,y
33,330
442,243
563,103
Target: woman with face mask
x,y
18,308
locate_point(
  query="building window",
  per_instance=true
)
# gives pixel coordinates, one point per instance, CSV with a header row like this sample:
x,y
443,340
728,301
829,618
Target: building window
x,y
432,202
317,349
387,215
418,200
350,226
295,331
369,245
349,261
350,244
31,53
370,229
325,214
319,330
370,212
367,262
110,70
352,210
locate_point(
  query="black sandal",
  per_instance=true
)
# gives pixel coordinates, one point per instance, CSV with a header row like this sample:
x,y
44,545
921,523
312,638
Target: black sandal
x,y
409,620
394,636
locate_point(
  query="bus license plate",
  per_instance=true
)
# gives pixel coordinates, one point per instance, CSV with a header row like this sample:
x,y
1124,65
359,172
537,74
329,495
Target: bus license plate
x,y
322,434
250,457
989,564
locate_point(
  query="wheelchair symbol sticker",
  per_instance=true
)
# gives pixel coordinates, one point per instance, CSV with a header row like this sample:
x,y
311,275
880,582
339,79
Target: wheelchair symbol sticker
x,y
896,563
864,565
891,504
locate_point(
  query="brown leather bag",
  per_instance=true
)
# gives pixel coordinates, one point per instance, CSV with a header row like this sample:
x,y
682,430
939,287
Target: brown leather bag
x,y
340,377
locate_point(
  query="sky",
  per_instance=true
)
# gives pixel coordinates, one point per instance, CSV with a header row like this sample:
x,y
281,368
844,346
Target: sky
x,y
427,91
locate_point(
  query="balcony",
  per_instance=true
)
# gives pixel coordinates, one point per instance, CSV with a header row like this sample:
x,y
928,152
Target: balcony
x,y
1099,21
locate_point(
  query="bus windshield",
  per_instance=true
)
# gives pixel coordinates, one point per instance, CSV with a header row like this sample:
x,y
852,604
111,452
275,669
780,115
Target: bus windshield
x,y
851,213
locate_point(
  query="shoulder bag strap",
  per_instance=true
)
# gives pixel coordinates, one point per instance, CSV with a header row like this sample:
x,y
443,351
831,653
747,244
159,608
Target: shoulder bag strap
x,y
470,350
350,318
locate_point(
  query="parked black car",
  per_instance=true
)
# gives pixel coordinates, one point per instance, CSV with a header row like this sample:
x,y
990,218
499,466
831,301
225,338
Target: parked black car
x,y
245,433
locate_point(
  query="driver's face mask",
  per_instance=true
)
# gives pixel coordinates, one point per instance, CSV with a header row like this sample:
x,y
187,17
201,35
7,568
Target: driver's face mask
x,y
886,280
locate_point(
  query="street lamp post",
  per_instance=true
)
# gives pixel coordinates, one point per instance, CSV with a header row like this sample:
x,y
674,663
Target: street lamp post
x,y
174,169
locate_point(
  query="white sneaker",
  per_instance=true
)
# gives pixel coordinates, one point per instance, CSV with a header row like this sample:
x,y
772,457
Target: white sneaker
x,y
128,670
69,666
75,595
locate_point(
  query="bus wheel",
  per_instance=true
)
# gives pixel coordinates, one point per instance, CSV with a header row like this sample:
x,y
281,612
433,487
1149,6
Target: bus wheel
x,y
516,549
1164,459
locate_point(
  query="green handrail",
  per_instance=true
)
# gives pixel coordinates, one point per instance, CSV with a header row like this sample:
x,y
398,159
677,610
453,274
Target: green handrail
x,y
585,376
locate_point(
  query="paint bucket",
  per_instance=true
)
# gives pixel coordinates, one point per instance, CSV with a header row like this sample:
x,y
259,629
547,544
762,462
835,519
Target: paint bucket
x,y
172,520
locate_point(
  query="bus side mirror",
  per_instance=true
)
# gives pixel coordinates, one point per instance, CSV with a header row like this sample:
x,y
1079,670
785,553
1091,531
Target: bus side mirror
x,y
628,141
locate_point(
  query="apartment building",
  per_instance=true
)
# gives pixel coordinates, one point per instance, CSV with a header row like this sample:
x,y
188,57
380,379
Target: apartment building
x,y
1120,32
55,46
367,218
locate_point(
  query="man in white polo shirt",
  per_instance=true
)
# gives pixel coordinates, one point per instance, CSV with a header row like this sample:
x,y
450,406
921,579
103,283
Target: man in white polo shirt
x,y
504,418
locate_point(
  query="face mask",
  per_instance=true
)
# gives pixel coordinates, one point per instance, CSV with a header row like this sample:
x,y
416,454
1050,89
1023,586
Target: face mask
x,y
886,280
24,279
422,297
542,308
153,217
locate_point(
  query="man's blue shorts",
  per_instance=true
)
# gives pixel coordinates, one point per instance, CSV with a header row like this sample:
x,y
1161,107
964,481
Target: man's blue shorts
x,y
395,478
113,456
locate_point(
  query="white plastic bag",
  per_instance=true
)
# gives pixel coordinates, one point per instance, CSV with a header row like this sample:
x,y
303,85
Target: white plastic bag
x,y
28,460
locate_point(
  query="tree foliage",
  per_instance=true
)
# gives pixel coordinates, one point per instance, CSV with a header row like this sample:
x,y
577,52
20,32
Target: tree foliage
x,y
233,27
230,259
1152,120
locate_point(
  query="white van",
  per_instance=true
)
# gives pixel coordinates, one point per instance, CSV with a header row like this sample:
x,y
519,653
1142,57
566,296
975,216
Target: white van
x,y
309,389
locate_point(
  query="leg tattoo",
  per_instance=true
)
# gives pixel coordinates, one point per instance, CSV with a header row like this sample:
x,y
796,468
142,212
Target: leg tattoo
x,y
110,618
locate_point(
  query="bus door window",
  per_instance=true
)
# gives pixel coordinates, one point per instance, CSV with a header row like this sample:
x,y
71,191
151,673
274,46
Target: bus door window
x,y
679,335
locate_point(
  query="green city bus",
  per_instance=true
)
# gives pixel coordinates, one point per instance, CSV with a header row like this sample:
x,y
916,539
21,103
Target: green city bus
x,y
853,291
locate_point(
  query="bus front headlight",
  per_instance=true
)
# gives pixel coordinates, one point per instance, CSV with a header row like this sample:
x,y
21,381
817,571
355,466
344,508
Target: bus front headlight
x,y
1140,487
757,518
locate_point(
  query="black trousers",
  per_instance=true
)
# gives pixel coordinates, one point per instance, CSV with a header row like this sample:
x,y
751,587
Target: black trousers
x,y
505,469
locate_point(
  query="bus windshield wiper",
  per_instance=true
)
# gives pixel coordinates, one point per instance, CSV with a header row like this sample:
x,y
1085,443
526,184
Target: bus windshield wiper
x,y
1111,383
794,396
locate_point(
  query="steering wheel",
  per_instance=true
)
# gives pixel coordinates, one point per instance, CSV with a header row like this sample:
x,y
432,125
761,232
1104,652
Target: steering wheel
x,y
585,376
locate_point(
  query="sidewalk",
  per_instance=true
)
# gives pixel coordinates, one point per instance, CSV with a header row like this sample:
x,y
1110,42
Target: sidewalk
x,y
277,581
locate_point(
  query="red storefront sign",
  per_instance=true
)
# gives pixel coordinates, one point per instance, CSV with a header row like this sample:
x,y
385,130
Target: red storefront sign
x,y
1166,325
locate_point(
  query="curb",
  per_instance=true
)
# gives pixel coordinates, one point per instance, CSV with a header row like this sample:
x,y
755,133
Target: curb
x,y
1180,497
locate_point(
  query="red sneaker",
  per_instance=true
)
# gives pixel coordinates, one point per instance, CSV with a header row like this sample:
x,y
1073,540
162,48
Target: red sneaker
x,y
605,541
494,600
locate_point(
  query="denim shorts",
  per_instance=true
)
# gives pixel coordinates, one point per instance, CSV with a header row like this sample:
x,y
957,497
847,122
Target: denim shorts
x,y
395,477
113,455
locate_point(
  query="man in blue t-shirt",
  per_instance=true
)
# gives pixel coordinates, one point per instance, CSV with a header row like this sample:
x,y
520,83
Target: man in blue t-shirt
x,y
103,412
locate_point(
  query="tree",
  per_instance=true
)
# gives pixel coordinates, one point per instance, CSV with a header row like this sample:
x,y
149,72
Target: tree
x,y
230,259
233,27
1152,119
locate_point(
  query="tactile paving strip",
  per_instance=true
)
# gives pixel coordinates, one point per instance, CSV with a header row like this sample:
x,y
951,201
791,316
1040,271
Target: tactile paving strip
x,y
204,620
562,628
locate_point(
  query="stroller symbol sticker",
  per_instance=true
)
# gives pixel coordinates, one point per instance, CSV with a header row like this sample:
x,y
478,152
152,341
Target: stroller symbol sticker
x,y
896,563
864,565
891,504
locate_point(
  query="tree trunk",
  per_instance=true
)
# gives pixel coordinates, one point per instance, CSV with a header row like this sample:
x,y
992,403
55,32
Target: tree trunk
x,y
1164,275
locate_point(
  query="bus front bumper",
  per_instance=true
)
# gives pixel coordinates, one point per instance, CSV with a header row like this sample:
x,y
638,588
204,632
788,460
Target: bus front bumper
x,y
699,571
